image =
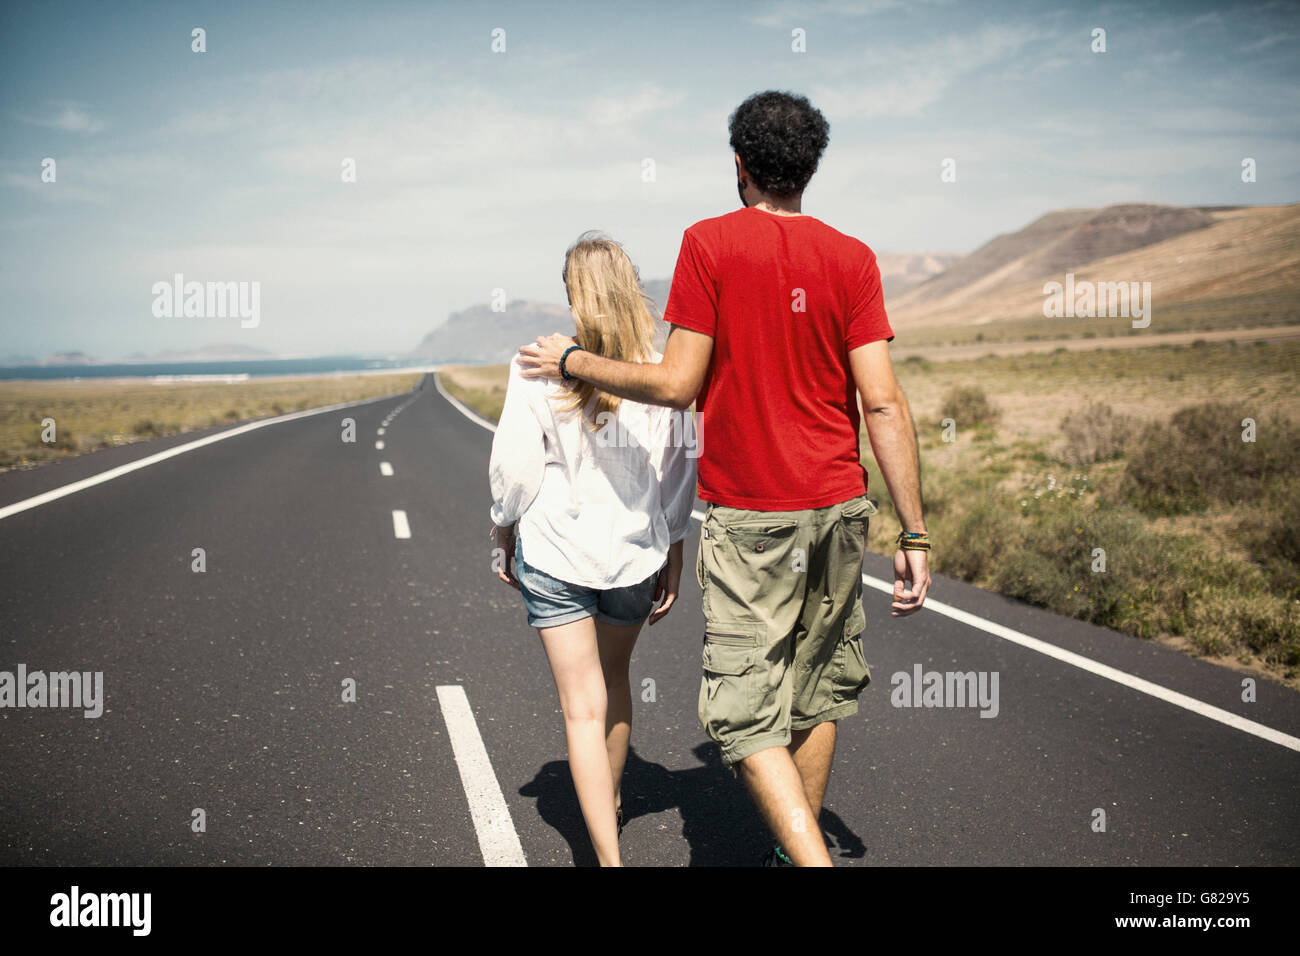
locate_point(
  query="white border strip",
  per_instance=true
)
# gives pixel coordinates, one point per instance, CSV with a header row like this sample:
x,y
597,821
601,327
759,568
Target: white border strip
x,y
464,409
120,470
1092,667
1101,670
497,838
1051,650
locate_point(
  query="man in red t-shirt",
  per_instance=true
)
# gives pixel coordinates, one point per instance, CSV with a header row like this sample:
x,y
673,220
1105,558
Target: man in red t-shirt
x,y
778,325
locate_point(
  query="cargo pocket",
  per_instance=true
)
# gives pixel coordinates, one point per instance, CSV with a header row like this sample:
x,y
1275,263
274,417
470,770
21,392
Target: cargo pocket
x,y
855,517
851,671
856,622
727,681
753,570
699,560
762,538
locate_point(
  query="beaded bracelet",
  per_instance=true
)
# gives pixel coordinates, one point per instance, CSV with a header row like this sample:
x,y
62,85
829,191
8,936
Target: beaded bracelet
x,y
914,540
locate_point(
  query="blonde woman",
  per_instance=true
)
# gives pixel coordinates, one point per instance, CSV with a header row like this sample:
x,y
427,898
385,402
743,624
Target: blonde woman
x,y
592,498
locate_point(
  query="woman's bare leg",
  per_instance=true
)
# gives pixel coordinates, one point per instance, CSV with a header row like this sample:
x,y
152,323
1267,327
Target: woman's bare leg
x,y
576,666
615,643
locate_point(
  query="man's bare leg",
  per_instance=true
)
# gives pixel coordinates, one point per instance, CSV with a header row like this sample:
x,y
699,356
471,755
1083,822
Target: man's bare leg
x,y
777,789
812,751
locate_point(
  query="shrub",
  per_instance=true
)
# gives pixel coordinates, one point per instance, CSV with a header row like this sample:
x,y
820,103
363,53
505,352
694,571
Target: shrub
x,y
1264,623
1270,532
1095,433
987,531
1053,567
967,405
1199,457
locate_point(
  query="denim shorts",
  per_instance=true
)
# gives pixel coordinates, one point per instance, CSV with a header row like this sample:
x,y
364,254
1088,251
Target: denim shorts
x,y
551,602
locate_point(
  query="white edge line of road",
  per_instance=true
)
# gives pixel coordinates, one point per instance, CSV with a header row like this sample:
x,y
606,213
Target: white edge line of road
x,y
1101,670
464,409
1043,647
497,838
55,493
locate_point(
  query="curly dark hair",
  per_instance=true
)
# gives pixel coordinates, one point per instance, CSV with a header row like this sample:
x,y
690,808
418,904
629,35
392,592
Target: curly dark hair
x,y
780,138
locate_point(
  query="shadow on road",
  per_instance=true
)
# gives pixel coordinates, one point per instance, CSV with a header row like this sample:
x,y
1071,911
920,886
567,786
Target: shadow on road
x,y
719,821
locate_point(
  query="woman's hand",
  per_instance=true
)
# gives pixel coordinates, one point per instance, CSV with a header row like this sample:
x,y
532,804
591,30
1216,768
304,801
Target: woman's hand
x,y
504,539
670,578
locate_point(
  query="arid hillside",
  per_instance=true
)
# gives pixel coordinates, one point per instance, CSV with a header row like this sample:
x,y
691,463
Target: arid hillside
x,y
1208,268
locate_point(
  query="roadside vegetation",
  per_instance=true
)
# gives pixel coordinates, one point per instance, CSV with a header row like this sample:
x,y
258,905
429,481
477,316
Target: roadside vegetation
x,y
1079,490
96,413
481,387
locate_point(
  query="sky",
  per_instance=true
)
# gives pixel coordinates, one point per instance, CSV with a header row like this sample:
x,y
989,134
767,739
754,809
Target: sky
x,y
475,168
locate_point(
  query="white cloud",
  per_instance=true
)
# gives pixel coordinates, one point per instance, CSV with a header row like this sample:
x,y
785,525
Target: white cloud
x,y
903,81
68,117
1269,41
28,179
633,107
791,13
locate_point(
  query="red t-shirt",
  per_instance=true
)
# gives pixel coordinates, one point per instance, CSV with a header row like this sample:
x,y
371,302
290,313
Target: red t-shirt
x,y
785,298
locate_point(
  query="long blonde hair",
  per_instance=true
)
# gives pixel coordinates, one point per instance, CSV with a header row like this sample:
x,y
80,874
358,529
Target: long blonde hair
x,y
612,312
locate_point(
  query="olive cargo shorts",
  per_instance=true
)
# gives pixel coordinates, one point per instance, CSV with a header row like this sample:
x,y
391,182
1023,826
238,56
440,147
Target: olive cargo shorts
x,y
783,621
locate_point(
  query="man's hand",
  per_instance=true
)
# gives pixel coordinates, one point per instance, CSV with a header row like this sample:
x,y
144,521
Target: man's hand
x,y
673,382
543,359
910,567
670,579
504,538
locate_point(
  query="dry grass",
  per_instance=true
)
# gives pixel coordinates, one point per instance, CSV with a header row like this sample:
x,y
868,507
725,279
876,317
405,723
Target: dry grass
x,y
1034,392
97,413
481,387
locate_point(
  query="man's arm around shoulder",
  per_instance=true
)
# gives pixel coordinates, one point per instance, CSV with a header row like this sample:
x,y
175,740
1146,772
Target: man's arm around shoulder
x,y
674,382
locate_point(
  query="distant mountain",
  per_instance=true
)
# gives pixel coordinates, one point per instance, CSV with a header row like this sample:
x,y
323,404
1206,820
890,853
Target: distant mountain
x,y
657,289
478,334
899,271
216,352
1239,262
68,358
1055,243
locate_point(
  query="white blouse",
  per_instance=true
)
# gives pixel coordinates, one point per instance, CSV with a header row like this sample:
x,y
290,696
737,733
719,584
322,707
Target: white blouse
x,y
596,508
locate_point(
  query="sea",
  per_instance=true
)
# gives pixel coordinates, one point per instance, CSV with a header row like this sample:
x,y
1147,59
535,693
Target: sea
x,y
235,370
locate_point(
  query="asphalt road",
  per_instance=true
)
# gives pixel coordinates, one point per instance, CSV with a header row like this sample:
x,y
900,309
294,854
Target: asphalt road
x,y
224,689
